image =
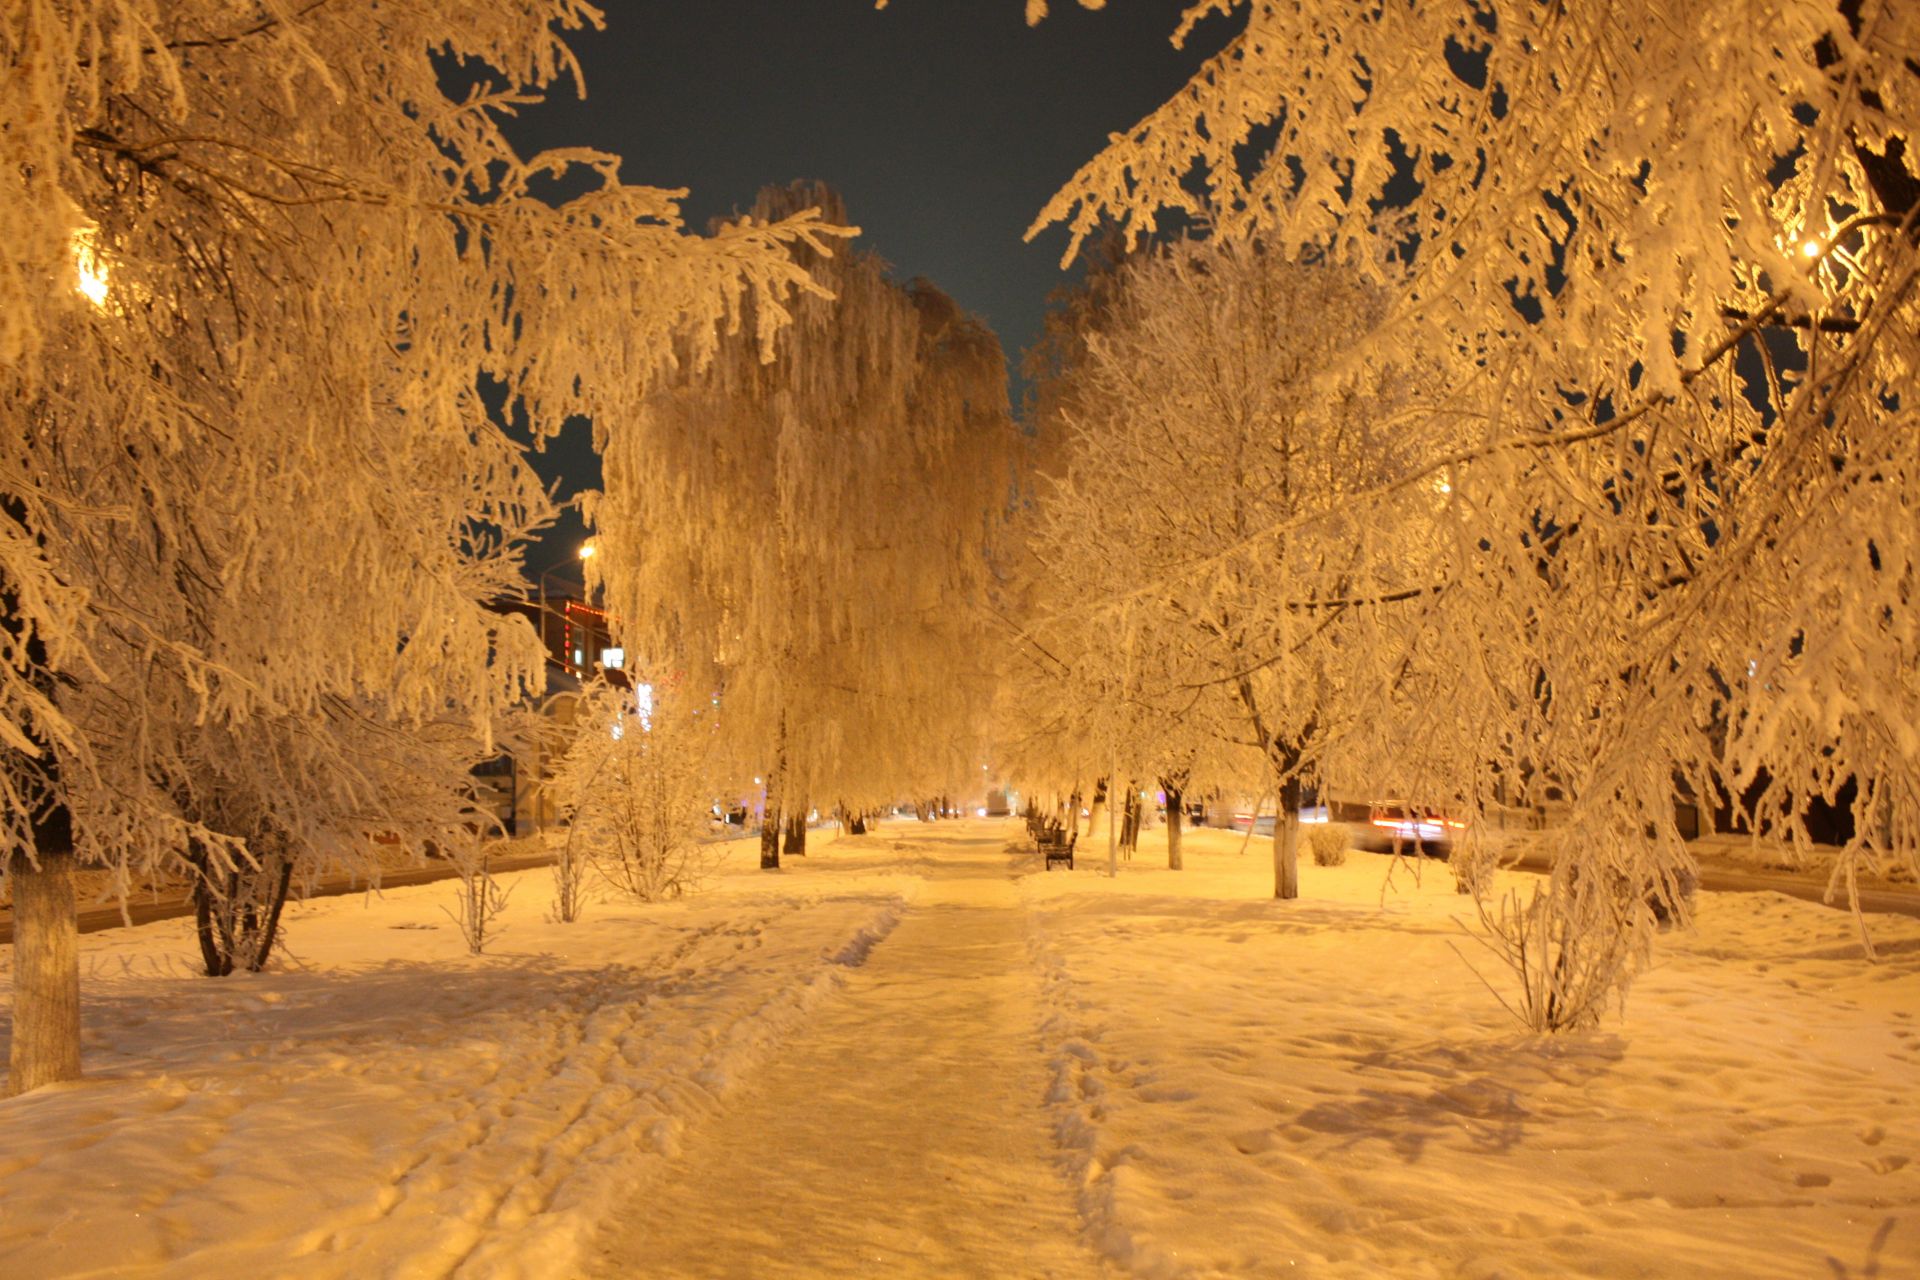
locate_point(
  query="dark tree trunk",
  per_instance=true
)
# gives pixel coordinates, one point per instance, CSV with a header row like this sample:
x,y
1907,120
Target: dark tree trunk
x,y
270,932
797,832
770,838
237,929
1130,824
770,813
1286,841
215,955
1176,816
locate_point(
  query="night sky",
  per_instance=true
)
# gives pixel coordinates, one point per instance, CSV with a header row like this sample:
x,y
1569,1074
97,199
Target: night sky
x,y
946,124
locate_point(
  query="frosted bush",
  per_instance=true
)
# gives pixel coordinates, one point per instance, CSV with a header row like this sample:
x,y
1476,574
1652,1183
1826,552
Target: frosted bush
x,y
1576,942
1328,845
481,898
633,787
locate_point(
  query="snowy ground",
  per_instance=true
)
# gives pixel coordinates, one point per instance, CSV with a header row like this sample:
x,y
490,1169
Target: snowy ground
x,y
384,1104
916,1054
1323,1086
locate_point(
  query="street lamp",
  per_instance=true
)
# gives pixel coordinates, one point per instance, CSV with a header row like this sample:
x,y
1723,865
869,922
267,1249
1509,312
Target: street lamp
x,y
541,813
89,267
585,553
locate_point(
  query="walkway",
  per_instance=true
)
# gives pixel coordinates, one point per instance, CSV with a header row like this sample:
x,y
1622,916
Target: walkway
x,y
902,1134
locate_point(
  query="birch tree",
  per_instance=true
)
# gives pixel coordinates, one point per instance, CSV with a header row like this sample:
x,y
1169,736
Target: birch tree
x,y
258,263
1665,259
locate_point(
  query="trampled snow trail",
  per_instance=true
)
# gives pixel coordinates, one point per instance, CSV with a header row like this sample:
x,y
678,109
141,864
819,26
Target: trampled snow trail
x,y
903,1133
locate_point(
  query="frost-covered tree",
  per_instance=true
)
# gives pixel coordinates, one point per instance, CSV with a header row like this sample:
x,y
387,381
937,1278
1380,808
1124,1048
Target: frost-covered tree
x,y
1198,421
809,536
259,260
634,787
1665,260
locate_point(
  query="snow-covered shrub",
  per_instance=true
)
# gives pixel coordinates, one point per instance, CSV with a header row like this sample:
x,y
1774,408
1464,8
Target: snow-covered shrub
x,y
1573,948
481,898
569,881
633,787
1328,844
1576,942
1473,861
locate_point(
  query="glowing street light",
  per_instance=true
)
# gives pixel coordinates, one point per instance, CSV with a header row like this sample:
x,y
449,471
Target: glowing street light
x,y
584,553
90,272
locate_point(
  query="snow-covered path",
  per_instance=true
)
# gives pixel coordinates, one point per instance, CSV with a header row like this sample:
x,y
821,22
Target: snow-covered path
x,y
902,1133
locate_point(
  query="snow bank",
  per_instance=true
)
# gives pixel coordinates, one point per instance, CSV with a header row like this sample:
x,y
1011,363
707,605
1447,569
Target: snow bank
x,y
381,1103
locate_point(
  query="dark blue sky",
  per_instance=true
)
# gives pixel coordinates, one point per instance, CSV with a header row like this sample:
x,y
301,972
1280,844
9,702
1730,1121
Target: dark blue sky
x,y
946,124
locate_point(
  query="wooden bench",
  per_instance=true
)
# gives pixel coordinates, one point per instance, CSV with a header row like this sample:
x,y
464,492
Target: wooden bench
x,y
1057,849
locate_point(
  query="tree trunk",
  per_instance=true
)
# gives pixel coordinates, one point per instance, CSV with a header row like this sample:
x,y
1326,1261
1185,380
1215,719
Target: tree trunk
x,y
1099,804
770,838
45,1044
215,954
797,831
46,974
238,930
1286,842
770,808
1176,816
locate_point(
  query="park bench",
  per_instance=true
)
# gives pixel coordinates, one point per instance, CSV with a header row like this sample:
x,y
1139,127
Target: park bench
x,y
1057,846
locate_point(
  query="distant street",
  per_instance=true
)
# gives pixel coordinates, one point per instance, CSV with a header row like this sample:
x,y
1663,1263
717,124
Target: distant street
x,y
1722,879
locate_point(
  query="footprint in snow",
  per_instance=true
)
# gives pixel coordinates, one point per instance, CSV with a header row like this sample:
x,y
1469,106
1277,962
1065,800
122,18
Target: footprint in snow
x,y
1254,1142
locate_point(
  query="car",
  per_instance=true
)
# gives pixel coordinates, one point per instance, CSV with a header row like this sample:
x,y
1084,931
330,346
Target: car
x,y
1385,826
1262,823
